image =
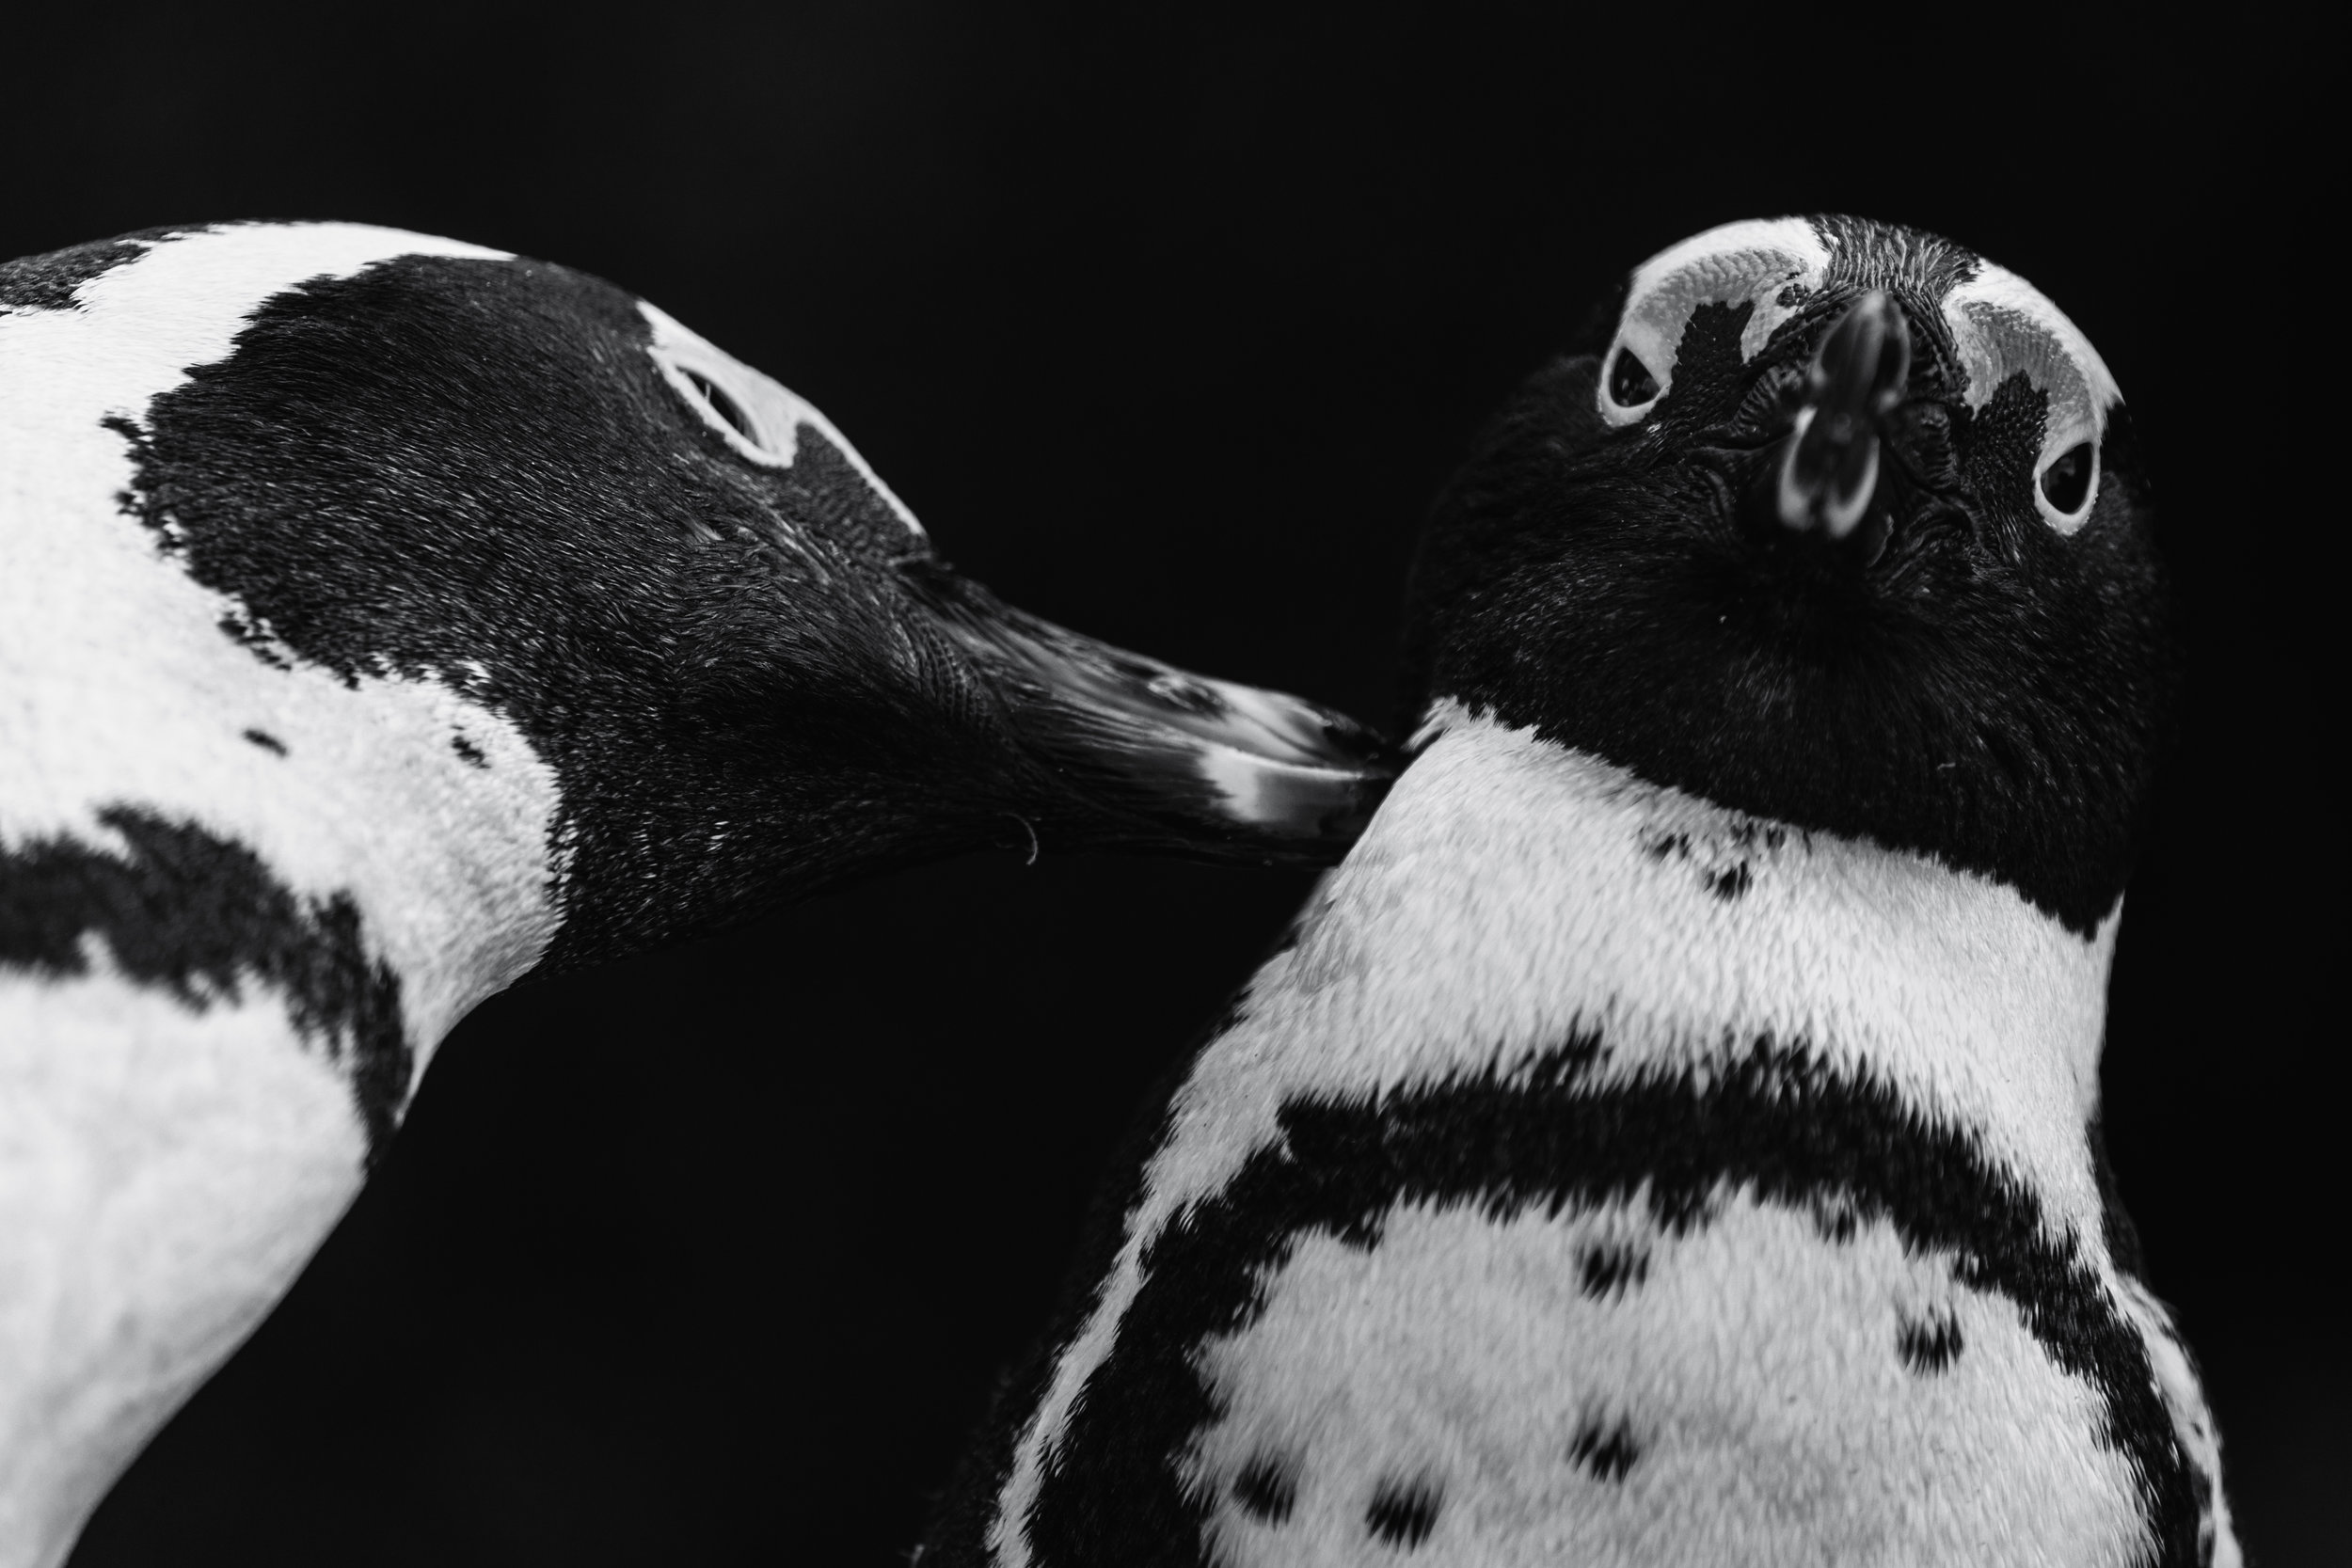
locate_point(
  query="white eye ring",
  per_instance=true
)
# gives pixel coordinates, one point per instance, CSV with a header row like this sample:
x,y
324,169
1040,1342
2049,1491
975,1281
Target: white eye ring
x,y
772,416
2057,471
2003,327
725,410
1647,354
730,412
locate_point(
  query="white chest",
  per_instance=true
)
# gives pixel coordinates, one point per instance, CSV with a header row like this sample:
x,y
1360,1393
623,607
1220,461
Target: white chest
x,y
1605,1174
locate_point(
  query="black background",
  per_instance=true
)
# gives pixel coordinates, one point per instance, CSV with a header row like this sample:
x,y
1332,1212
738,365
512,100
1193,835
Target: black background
x,y
1168,327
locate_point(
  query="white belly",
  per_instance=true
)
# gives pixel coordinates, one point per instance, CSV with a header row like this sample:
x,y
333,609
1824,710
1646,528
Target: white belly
x,y
1588,1388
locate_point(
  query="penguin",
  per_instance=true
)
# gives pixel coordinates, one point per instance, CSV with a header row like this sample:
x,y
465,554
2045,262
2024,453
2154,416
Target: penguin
x,y
383,619
1672,1135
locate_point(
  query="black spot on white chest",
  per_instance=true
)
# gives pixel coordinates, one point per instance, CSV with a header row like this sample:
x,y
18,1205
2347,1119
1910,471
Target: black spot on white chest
x,y
1413,1208
199,918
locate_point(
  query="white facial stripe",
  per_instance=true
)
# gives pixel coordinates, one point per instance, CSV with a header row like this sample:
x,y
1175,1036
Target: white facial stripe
x,y
2004,325
184,303
2000,325
776,413
1753,261
1732,263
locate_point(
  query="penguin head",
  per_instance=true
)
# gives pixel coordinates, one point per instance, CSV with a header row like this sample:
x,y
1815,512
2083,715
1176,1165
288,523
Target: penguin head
x,y
746,666
1834,523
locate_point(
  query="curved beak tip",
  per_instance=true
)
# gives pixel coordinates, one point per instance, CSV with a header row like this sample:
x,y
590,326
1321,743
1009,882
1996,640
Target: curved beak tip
x,y
1166,758
1316,780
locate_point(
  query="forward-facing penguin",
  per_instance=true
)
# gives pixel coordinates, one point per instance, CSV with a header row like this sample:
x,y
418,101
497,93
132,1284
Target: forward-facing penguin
x,y
383,618
1672,1136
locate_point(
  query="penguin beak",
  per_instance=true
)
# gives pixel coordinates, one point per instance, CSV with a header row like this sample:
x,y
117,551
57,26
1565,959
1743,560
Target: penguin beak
x,y
1830,471
1156,757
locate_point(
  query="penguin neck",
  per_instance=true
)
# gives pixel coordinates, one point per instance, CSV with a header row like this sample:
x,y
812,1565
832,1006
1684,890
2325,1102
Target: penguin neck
x,y
1514,898
388,825
402,800
231,959
242,899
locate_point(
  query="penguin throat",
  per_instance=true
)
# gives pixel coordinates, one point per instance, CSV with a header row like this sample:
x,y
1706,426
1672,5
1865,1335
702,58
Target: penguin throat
x,y
1514,898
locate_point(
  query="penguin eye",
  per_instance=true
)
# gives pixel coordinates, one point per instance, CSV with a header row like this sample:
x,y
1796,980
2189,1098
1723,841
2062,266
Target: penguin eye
x,y
2066,485
2067,482
722,405
1631,383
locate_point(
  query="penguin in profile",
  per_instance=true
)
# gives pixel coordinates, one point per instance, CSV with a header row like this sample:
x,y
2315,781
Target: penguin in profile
x,y
1672,1136
383,619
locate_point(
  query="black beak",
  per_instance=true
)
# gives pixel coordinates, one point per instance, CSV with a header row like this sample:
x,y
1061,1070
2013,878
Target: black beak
x,y
1146,755
1830,470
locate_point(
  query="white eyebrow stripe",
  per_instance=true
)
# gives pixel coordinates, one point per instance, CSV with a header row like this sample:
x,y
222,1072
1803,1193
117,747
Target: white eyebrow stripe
x,y
1701,259
191,293
775,409
1997,298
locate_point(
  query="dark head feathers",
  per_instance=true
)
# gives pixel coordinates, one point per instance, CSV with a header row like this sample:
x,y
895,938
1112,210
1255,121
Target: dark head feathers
x,y
1976,671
